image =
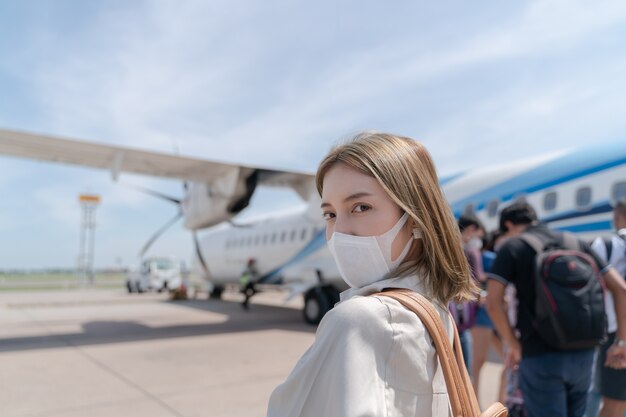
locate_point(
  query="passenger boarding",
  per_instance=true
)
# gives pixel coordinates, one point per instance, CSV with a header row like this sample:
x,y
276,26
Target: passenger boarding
x,y
571,190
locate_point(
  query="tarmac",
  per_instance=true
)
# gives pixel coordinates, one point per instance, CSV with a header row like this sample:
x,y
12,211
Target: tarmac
x,y
103,353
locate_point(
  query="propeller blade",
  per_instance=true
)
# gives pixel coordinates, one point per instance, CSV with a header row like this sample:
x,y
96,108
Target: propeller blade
x,y
159,233
199,254
152,193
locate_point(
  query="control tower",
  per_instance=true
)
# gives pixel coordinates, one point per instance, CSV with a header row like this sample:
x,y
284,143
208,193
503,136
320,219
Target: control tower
x,y
85,270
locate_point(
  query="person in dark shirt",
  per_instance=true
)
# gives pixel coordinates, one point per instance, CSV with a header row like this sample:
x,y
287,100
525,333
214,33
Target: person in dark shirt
x,y
554,382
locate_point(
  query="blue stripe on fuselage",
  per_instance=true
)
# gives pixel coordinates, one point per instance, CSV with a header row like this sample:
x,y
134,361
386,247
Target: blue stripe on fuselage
x,y
598,208
601,226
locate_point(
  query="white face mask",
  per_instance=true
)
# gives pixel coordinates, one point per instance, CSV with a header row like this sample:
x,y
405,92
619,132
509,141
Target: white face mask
x,y
363,260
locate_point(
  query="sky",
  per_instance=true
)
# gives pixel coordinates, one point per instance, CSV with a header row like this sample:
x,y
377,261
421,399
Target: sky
x,y
277,83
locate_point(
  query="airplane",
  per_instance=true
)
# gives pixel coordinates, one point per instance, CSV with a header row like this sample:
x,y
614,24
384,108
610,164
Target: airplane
x,y
572,190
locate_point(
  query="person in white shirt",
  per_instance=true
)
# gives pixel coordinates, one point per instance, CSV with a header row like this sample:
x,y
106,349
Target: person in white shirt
x,y
388,226
608,382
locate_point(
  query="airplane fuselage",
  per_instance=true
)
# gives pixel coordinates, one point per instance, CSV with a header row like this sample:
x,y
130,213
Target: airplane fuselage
x,y
571,191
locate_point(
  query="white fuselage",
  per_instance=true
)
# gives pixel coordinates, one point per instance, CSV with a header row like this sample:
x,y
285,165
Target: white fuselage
x,y
571,190
577,198
568,191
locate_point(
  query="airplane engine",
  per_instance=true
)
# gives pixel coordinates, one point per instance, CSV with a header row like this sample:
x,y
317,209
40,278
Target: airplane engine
x,y
210,203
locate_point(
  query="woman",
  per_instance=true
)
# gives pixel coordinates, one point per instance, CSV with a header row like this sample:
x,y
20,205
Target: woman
x,y
388,226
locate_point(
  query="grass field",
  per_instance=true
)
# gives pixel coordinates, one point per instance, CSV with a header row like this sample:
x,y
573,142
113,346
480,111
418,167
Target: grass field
x,y
58,281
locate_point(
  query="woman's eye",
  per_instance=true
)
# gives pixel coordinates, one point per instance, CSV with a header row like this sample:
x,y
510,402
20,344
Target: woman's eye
x,y
328,216
360,208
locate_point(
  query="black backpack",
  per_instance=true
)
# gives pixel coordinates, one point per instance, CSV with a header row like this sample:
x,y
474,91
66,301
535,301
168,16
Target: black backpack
x,y
569,305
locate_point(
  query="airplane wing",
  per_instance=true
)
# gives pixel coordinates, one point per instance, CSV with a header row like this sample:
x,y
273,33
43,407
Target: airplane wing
x,y
117,159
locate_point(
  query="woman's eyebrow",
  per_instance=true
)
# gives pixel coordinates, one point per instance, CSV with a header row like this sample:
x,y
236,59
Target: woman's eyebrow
x,y
350,197
357,196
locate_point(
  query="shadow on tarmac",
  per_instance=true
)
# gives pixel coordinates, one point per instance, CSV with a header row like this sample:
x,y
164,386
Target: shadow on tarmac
x,y
258,318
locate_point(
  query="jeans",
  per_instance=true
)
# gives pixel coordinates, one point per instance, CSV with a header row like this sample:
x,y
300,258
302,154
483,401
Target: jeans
x,y
556,384
594,397
465,337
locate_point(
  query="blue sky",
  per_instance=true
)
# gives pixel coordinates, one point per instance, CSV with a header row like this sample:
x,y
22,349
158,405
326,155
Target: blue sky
x,y
276,84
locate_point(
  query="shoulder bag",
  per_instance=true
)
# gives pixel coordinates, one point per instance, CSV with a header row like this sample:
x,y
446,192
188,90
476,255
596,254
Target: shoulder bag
x,y
463,400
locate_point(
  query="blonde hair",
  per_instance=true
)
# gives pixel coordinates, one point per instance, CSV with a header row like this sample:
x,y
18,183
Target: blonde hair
x,y
406,171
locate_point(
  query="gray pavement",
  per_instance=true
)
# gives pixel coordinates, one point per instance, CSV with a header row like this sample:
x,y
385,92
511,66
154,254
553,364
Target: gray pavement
x,y
107,353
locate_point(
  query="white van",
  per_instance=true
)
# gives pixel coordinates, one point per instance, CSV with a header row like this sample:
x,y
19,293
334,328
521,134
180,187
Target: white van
x,y
156,273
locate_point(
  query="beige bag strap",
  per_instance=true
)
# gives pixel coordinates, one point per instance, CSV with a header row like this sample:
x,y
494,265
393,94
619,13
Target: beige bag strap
x,y
460,391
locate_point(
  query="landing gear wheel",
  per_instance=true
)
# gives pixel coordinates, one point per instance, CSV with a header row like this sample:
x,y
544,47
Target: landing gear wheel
x,y
316,305
129,287
216,292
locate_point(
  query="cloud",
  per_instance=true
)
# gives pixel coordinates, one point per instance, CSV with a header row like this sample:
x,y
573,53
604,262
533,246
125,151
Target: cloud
x,y
173,77
276,86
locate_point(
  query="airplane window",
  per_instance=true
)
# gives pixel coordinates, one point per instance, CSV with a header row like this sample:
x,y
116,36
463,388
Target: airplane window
x,y
273,237
257,240
283,235
618,191
265,236
583,198
249,240
242,242
303,234
293,235
492,208
549,201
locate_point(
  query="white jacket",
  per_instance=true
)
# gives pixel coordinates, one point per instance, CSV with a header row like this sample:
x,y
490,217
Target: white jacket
x,y
371,357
